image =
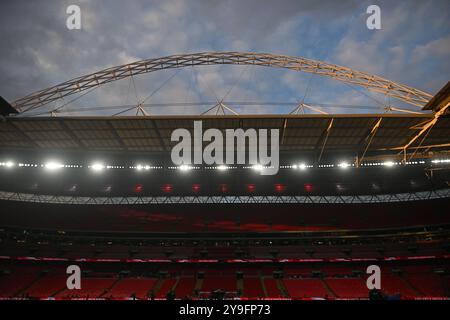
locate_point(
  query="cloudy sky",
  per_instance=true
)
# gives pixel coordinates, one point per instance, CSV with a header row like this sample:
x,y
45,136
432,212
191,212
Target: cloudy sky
x,y
37,50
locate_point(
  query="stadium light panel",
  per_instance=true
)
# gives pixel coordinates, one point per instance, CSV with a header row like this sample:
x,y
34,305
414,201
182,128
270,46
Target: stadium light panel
x,y
389,164
9,164
302,166
196,188
309,187
167,188
222,168
223,188
52,165
251,187
280,188
343,165
138,188
184,167
141,167
97,166
257,167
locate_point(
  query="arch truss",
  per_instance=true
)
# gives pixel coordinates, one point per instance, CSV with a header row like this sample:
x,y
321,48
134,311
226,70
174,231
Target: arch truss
x,y
373,83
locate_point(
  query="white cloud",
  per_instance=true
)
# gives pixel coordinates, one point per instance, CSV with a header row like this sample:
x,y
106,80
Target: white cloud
x,y
436,49
41,52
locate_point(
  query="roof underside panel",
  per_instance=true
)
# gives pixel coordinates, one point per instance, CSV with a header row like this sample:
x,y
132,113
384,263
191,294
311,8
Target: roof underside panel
x,y
152,134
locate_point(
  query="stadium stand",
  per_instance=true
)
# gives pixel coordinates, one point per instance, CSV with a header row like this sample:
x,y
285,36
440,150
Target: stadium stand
x,y
226,283
271,288
140,288
36,279
253,287
305,288
352,288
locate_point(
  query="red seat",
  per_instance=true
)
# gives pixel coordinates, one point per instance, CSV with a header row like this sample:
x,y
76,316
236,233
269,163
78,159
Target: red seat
x,y
226,283
272,288
140,287
305,288
348,288
252,287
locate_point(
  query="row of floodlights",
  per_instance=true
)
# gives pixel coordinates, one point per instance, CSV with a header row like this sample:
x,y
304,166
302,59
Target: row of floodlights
x,y
441,161
345,165
98,166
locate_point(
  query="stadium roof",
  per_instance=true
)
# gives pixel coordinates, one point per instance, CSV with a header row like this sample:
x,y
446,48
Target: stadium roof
x,y
440,100
353,133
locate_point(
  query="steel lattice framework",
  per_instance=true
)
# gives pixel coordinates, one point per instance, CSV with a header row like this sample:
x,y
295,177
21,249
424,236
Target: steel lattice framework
x,y
374,83
76,200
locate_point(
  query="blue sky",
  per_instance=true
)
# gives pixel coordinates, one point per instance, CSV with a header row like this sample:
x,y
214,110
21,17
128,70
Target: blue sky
x,y
413,47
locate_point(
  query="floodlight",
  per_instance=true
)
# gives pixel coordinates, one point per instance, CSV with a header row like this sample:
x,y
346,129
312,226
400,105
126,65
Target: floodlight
x,y
53,165
97,166
257,167
344,165
141,167
9,164
389,163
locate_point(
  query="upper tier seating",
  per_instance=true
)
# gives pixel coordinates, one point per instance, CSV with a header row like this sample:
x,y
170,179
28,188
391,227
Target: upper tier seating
x,y
166,286
305,288
272,288
185,287
126,288
90,288
47,286
225,283
12,285
348,287
252,287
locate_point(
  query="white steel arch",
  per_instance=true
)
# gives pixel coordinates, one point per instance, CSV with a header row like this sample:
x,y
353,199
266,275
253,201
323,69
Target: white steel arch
x,y
374,83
